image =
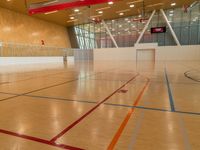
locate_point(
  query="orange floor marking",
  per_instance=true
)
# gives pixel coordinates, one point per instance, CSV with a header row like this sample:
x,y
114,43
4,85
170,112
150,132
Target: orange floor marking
x,y
126,119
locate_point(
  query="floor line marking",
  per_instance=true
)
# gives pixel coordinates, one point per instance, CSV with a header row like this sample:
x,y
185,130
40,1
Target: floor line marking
x,y
35,77
112,104
62,99
90,111
136,130
69,81
187,112
9,93
39,140
169,92
85,77
180,120
184,133
126,119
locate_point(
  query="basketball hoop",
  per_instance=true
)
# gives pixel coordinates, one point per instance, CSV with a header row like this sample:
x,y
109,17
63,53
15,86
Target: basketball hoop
x,y
185,8
96,20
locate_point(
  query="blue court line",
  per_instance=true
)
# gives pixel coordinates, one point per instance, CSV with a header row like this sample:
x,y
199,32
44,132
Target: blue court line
x,y
180,120
169,92
61,99
111,104
149,108
139,107
187,112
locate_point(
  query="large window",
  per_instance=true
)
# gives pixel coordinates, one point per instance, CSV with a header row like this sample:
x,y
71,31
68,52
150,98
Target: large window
x,y
126,30
85,37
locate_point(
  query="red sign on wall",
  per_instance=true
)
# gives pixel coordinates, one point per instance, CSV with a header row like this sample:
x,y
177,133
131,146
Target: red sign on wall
x,y
158,30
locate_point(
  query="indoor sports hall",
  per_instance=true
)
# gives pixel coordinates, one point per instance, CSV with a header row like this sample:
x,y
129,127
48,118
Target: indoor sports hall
x,y
100,75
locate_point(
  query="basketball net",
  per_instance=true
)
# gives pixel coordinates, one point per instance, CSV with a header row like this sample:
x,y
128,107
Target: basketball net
x,y
185,8
96,20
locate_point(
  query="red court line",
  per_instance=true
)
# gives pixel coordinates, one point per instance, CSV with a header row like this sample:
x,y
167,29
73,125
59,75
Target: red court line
x,y
43,141
126,119
90,111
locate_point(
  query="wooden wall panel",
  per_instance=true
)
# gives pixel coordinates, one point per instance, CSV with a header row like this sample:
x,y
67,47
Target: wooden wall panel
x,y
20,28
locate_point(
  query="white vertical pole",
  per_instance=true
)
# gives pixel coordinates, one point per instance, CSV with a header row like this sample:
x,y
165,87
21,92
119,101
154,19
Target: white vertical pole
x,y
170,27
111,36
145,27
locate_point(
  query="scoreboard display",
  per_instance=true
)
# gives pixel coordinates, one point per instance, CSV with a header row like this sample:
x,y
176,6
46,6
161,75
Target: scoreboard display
x,y
158,30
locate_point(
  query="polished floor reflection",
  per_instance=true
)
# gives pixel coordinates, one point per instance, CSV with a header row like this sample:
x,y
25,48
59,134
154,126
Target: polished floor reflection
x,y
101,105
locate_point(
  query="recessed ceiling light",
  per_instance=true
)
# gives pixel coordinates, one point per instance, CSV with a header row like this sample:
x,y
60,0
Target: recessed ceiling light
x,y
173,4
50,2
51,12
100,12
8,0
121,14
170,14
72,20
132,6
76,10
110,3
71,17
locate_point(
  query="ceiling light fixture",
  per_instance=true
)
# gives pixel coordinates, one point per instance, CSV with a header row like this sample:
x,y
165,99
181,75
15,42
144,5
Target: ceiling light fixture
x,y
51,2
155,5
110,3
131,6
51,12
138,1
103,8
71,18
100,12
76,10
122,11
173,4
121,14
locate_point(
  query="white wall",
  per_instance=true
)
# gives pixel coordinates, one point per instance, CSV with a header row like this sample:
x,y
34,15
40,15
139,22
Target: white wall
x,y
4,61
114,54
191,52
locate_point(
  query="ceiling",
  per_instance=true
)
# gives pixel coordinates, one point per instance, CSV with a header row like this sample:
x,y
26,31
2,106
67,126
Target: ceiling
x,y
109,11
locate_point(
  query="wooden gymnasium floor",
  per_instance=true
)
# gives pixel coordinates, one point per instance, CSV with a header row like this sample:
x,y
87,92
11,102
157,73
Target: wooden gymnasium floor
x,y
99,106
